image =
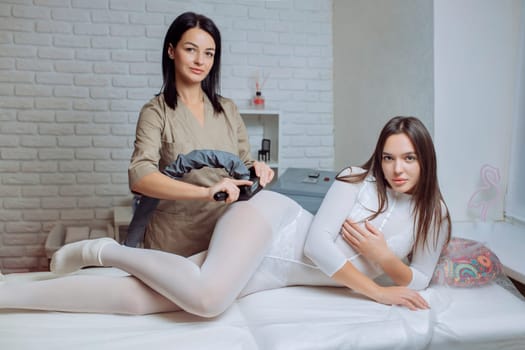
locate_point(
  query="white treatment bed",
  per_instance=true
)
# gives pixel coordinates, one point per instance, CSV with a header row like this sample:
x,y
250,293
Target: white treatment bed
x,y
488,317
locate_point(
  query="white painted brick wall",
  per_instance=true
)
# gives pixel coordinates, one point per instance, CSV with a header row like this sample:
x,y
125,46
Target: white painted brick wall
x,y
75,73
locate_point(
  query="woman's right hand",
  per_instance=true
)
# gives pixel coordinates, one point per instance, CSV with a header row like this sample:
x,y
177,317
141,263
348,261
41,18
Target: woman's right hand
x,y
367,240
402,296
230,186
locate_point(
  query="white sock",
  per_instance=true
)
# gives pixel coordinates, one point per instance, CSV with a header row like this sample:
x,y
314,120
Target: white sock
x,y
74,256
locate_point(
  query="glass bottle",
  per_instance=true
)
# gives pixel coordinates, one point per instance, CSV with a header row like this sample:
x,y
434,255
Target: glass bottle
x,y
258,100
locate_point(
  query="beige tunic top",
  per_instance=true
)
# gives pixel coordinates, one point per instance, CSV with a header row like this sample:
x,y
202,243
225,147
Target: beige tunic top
x,y
185,226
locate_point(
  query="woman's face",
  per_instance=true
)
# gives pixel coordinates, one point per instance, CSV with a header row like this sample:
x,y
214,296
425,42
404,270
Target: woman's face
x,y
193,56
400,163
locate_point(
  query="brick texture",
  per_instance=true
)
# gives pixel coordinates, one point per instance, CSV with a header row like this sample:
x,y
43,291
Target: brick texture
x,y
74,75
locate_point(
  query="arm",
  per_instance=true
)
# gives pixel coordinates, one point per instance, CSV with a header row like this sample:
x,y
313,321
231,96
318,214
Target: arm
x,y
321,248
262,170
144,175
158,185
320,244
424,259
354,279
243,142
370,242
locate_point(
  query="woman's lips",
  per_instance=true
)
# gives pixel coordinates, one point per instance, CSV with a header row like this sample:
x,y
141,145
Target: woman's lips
x,y
399,181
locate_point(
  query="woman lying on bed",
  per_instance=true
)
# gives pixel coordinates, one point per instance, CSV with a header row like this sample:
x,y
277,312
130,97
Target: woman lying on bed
x,y
370,220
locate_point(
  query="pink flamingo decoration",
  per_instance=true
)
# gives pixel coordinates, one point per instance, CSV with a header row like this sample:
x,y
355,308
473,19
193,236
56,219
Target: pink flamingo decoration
x,y
490,179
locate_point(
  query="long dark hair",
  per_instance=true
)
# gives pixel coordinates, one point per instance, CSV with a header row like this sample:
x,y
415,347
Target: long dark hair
x,y
210,84
428,201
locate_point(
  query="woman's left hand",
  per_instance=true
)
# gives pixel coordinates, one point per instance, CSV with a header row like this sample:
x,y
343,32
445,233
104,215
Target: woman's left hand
x,y
263,172
366,240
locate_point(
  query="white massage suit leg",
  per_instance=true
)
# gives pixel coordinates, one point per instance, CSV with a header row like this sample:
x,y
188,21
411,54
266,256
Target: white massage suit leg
x,y
241,237
74,256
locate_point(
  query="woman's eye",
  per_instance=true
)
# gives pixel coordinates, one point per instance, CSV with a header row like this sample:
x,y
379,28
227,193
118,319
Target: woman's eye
x,y
209,54
411,158
387,158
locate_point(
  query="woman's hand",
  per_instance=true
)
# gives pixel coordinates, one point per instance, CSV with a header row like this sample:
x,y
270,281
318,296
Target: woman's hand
x,y
366,240
402,296
349,276
228,185
263,172
371,244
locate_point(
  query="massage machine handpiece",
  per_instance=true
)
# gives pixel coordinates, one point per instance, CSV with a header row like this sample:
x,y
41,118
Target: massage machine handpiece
x,y
246,191
183,164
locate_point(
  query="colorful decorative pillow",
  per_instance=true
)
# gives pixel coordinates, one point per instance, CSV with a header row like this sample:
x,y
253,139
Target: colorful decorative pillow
x,y
467,263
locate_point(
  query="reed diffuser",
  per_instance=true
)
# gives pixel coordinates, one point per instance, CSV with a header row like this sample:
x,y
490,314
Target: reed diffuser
x,y
258,99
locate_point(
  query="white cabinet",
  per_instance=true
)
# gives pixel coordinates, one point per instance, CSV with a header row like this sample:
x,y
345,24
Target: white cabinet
x,y
263,124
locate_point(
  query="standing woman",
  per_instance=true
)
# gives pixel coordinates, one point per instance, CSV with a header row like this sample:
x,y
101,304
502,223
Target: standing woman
x,y
390,208
188,114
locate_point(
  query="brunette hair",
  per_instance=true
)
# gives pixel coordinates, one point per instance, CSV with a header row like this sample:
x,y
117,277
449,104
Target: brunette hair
x,y
210,84
430,210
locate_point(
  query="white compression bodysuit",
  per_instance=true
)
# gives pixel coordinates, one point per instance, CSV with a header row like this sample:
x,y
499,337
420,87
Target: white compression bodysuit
x,y
302,239
267,242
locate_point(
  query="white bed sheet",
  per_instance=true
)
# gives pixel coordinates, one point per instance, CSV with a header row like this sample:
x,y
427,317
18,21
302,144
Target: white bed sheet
x,y
332,318
287,318
482,318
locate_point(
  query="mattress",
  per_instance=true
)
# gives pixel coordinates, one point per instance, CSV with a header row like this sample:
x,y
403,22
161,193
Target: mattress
x,y
296,318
